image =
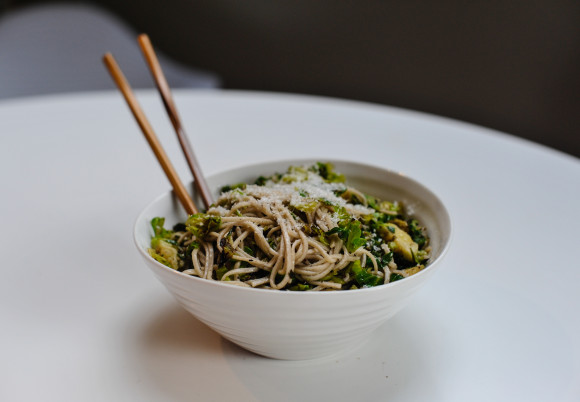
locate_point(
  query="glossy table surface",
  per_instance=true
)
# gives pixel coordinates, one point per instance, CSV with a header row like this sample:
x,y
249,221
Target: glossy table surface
x,y
83,318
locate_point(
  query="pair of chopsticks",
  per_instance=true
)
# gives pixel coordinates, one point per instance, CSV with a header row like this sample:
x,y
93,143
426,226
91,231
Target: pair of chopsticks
x,y
165,92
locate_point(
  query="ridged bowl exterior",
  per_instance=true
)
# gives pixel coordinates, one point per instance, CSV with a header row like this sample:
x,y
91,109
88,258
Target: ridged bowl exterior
x,y
299,325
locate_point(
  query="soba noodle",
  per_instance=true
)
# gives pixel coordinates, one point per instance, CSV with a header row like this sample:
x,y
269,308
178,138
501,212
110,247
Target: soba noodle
x,y
302,230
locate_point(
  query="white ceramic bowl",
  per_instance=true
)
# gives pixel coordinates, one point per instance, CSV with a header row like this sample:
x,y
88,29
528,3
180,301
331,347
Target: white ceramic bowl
x,y
299,325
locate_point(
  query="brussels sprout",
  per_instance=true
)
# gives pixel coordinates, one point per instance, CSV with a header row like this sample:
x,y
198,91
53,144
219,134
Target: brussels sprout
x,y
399,241
164,252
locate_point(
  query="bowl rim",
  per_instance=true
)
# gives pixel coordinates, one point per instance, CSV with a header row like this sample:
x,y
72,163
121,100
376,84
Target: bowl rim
x,y
289,162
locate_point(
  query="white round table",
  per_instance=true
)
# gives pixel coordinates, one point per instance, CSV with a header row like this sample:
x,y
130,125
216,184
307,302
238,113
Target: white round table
x,y
84,320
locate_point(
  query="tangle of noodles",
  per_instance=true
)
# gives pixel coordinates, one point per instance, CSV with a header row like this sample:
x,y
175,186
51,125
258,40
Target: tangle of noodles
x,y
302,230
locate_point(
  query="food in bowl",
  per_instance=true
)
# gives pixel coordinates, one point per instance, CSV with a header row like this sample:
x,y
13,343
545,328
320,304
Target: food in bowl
x,y
299,325
302,230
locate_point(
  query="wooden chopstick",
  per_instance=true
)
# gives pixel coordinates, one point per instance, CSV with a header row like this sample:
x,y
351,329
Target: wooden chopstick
x,y
165,92
154,143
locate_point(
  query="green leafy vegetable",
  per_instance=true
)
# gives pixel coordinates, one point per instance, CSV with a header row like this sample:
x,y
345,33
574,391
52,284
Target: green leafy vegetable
x,y
157,225
220,272
261,181
202,224
351,234
300,287
307,206
326,171
354,240
321,234
363,277
396,277
416,232
163,248
165,252
239,186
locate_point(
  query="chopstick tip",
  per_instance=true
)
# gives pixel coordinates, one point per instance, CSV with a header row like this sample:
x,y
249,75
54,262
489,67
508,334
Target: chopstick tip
x,y
107,57
143,38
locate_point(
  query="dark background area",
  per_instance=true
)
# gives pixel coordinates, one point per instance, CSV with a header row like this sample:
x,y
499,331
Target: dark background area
x,y
513,66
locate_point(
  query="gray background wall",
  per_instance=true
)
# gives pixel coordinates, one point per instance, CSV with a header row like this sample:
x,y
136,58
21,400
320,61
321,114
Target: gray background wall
x,y
508,65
